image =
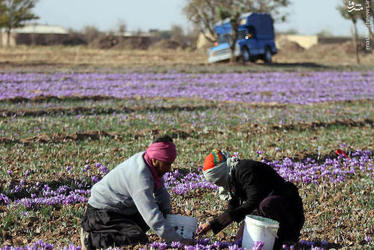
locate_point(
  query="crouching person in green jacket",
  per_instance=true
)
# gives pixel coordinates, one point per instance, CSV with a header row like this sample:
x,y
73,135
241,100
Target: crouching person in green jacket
x,y
130,200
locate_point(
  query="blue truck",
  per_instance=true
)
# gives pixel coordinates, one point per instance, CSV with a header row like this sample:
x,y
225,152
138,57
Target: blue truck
x,y
255,41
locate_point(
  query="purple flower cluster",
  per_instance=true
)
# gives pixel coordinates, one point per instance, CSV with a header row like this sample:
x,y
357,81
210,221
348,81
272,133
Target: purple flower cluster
x,y
206,244
41,245
202,244
331,170
62,195
269,87
44,195
182,184
55,198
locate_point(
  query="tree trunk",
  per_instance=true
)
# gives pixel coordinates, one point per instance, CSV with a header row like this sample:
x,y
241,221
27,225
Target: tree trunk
x,y
234,22
232,46
233,57
356,42
8,33
371,34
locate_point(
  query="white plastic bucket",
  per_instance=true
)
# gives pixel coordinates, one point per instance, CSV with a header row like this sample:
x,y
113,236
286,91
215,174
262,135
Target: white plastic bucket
x,y
184,225
259,228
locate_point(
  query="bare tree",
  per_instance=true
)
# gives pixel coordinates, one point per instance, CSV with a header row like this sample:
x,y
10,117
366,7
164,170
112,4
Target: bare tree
x,y
366,15
122,27
14,14
206,13
91,33
177,34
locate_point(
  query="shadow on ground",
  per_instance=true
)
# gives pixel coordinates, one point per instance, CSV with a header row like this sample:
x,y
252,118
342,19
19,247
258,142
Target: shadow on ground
x,y
299,65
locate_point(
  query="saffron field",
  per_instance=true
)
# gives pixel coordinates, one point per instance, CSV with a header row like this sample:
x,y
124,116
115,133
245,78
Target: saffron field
x,y
60,132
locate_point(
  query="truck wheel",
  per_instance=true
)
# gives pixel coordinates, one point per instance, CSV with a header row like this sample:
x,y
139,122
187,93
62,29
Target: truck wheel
x,y
246,56
267,56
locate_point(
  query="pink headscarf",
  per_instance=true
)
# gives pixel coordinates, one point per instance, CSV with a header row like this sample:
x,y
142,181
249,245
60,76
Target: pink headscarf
x,y
162,151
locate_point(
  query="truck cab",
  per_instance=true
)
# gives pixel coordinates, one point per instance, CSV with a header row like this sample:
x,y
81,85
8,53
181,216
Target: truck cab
x,y
255,41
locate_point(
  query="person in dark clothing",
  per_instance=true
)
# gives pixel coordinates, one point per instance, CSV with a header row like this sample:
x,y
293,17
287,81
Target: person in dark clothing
x,y
130,200
254,188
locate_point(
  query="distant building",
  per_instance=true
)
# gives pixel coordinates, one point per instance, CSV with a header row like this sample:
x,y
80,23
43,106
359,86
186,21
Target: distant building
x,y
35,34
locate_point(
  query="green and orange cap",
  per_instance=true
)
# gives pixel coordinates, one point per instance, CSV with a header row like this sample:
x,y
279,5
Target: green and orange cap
x,y
213,159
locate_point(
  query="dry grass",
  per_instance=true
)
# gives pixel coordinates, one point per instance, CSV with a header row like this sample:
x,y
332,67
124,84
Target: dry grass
x,y
84,58
326,54
96,57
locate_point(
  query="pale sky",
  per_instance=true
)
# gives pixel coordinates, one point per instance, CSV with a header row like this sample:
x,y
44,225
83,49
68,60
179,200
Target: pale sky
x,y
306,16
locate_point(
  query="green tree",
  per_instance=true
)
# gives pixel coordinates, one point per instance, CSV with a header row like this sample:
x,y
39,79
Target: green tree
x,y
206,13
14,14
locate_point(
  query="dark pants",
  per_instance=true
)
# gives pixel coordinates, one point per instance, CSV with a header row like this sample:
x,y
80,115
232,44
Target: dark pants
x,y
108,229
289,212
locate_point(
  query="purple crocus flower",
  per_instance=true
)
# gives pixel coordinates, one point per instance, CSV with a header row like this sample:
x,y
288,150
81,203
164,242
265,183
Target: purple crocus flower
x,y
86,168
103,169
176,244
95,179
27,173
258,245
4,198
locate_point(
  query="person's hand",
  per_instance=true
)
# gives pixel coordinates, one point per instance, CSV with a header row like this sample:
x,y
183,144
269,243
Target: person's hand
x,y
224,219
203,229
187,242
